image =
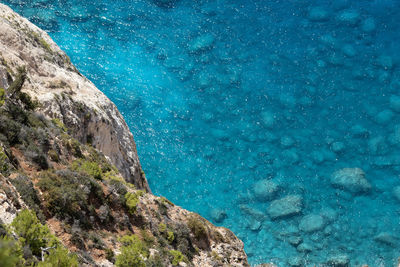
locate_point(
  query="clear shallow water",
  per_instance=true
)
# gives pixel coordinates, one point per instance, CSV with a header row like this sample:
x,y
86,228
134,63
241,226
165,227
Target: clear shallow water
x,y
290,91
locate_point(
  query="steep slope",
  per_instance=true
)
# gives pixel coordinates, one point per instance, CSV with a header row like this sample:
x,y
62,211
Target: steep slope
x,y
70,177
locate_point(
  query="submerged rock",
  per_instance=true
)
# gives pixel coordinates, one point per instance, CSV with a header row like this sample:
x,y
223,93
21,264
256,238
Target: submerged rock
x,y
295,261
265,190
202,43
256,214
394,103
218,215
351,179
295,240
268,118
385,62
384,117
349,17
165,3
386,238
311,223
318,14
286,207
304,248
339,261
368,25
396,192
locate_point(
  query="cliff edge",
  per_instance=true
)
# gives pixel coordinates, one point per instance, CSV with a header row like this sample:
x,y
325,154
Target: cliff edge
x,y
72,191
66,94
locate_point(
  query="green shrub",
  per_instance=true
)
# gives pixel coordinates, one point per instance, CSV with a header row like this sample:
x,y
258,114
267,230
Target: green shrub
x,y
36,155
162,227
148,239
4,168
197,227
28,194
170,236
67,193
110,256
10,253
15,87
59,257
59,124
2,96
87,167
132,252
177,257
32,233
53,155
132,199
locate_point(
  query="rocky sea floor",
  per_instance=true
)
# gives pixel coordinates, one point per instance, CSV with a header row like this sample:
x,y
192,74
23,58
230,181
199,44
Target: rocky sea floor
x,y
277,119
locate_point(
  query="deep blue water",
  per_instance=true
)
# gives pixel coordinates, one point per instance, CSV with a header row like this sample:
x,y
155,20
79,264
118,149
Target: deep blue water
x,y
285,90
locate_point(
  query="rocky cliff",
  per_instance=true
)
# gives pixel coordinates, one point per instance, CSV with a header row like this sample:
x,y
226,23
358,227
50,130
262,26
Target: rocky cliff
x,y
70,177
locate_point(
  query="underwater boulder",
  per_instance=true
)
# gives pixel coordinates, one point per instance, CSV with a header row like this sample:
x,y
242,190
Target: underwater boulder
x,y
218,215
394,103
268,118
318,14
265,190
368,25
311,223
165,3
295,261
285,207
351,179
396,192
385,62
386,238
304,248
338,147
202,43
339,261
384,117
287,141
349,50
349,17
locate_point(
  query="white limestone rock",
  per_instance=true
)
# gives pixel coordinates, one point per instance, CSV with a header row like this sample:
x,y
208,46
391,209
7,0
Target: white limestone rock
x,y
351,179
286,207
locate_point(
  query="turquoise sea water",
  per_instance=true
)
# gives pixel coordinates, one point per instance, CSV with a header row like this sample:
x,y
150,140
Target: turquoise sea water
x,y
223,94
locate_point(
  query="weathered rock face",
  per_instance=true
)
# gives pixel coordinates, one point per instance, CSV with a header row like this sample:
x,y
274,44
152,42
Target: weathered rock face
x,y
66,94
